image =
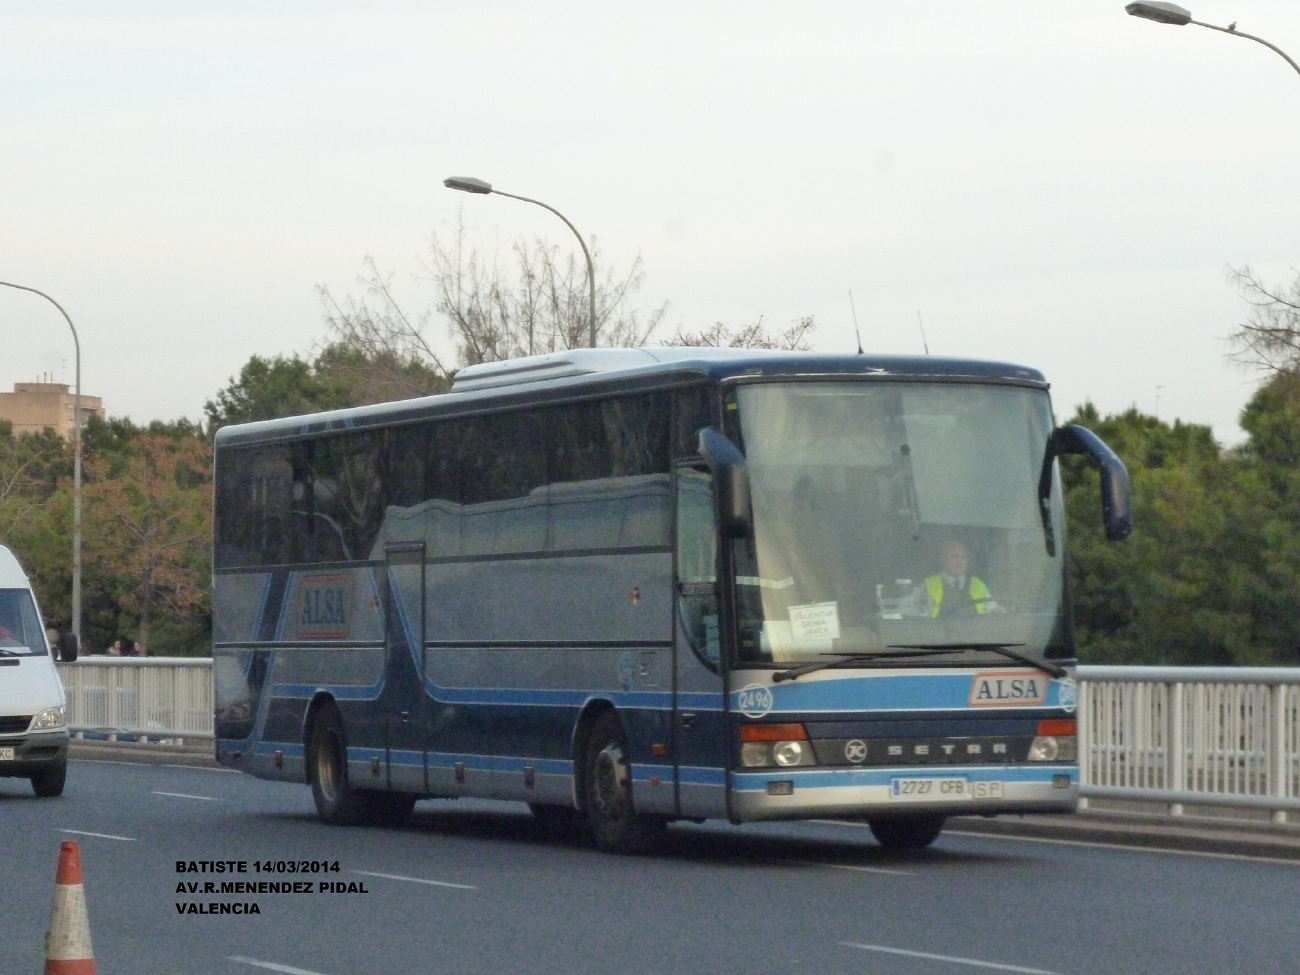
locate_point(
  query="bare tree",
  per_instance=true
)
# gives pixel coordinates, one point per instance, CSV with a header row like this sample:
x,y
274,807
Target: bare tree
x,y
543,308
378,348
756,336
538,303
1269,339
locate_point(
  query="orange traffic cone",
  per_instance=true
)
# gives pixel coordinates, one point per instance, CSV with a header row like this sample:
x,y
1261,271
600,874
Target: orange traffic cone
x,y
67,943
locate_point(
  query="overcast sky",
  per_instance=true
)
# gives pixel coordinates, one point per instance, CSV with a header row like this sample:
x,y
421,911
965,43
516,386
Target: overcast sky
x,y
1055,184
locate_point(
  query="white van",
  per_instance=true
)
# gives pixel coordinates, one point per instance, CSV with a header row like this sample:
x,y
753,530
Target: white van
x,y
33,727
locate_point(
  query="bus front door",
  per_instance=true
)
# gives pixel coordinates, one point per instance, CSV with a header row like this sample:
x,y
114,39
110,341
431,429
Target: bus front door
x,y
700,746
403,699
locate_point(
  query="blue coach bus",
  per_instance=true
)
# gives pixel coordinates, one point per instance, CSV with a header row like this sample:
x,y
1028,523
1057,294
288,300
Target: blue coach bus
x,y
639,585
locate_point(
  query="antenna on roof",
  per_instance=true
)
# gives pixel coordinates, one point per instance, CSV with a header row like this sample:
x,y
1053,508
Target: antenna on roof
x,y
922,324
855,321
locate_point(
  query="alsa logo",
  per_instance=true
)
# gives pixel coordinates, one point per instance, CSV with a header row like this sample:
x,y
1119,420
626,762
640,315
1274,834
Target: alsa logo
x,y
1008,690
324,607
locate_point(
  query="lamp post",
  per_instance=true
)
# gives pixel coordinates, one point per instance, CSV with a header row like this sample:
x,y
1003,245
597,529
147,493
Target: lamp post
x,y
76,463
468,184
1171,13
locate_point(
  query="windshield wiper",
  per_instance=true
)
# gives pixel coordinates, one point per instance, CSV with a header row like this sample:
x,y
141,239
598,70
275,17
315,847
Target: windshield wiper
x,y
1046,666
847,659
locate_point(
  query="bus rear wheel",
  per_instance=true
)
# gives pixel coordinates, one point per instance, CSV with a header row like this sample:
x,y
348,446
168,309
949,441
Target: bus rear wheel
x,y
337,803
615,824
906,832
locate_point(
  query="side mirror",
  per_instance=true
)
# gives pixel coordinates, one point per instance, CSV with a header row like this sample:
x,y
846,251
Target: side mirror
x,y
730,483
69,647
1116,499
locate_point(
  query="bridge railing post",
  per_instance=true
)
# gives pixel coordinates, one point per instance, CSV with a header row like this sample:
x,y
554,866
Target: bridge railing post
x,y
1175,747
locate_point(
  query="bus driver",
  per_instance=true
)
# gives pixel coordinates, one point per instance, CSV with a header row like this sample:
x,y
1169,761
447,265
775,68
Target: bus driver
x,y
953,591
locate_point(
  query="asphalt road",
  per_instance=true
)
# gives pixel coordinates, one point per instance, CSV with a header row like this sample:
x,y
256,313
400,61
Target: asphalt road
x,y
479,888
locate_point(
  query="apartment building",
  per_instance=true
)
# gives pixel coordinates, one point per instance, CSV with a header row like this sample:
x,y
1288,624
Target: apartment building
x,y
33,407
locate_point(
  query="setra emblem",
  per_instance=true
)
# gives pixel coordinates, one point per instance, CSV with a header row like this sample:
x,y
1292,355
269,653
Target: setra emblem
x,y
855,751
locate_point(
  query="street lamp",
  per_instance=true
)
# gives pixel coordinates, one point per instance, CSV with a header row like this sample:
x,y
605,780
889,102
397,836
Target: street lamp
x,y
76,464
1171,13
468,184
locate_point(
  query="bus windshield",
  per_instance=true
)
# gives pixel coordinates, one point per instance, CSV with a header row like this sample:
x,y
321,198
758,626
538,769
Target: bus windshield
x,y
898,515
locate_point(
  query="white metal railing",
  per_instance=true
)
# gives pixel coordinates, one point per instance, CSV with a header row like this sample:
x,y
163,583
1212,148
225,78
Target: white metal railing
x,y
139,697
1236,730
1212,736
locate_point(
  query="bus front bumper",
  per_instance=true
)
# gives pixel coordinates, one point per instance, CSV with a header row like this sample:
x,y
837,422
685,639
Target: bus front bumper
x,y
968,790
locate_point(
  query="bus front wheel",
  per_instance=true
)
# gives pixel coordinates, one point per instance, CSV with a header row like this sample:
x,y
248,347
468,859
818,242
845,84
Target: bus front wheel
x,y
906,832
336,801
614,822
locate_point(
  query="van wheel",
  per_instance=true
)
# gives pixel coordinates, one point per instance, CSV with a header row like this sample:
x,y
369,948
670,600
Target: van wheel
x,y
49,784
906,832
337,802
614,823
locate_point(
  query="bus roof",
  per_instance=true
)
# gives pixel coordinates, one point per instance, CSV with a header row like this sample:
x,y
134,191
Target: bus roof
x,y
576,372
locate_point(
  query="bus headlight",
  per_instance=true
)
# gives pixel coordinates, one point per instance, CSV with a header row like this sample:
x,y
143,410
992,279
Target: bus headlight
x,y
768,745
48,720
755,754
788,752
1056,741
1050,748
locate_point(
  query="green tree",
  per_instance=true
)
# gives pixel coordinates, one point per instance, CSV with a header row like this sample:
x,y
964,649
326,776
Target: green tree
x,y
1191,584
275,387
150,530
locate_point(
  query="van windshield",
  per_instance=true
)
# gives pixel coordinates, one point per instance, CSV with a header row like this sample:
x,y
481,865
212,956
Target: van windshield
x,y
20,627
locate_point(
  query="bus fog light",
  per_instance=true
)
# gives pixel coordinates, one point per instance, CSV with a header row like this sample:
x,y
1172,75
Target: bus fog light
x,y
788,752
755,754
1044,749
1067,749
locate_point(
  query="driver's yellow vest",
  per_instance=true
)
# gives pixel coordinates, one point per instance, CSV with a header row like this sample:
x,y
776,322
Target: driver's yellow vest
x,y
974,586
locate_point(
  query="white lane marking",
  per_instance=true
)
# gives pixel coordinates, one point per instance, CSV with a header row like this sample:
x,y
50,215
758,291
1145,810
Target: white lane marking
x,y
270,966
102,836
413,880
854,867
184,795
1127,847
974,962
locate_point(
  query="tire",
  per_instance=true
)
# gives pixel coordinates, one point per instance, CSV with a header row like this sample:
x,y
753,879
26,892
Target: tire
x,y
616,826
50,783
906,832
337,803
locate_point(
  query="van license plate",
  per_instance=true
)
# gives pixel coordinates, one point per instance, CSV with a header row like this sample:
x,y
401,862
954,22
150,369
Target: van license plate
x,y
6,754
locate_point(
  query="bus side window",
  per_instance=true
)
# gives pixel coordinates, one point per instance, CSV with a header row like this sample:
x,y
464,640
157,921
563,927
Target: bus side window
x,y
697,560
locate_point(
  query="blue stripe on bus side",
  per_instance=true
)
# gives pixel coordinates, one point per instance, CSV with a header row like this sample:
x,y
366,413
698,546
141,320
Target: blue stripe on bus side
x,y
701,775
